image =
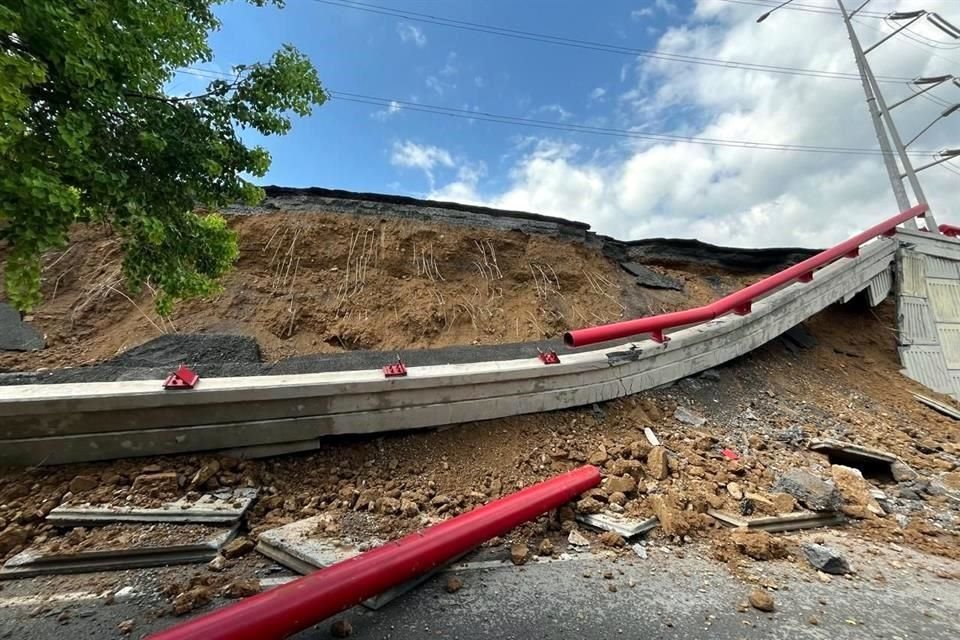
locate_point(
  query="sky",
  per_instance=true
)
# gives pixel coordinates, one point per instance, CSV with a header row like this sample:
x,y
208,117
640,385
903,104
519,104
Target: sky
x,y
623,184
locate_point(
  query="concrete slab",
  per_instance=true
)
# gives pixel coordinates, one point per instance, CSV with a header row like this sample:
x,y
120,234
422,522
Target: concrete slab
x,y
297,547
626,527
15,334
222,507
777,524
33,563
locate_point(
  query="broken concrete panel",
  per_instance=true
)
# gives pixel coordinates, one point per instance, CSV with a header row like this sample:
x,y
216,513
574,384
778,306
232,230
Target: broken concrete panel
x,y
296,547
15,334
222,507
33,563
621,525
826,559
647,277
776,524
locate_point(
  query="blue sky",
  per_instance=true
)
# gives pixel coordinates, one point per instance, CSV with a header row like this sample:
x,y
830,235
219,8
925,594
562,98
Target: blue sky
x,y
627,188
348,145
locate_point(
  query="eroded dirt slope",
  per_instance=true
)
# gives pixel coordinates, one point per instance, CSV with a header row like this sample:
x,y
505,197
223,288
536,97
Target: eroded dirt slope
x,y
313,283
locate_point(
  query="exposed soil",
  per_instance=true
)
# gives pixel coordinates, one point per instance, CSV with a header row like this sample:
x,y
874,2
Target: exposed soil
x,y
322,283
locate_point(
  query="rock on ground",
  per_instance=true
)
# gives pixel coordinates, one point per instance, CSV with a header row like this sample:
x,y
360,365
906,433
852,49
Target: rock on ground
x,y
684,415
657,463
761,600
809,490
759,545
237,547
824,558
454,584
341,629
854,489
519,554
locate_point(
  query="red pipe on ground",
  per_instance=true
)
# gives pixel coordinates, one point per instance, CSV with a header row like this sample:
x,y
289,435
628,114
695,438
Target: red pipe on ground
x,y
739,301
283,611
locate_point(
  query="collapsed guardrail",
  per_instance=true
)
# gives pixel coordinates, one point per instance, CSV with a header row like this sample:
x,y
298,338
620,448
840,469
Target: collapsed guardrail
x,y
266,415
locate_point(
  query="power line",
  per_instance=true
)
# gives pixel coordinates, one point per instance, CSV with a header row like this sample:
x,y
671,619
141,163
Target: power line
x,y
468,114
805,8
486,116
596,46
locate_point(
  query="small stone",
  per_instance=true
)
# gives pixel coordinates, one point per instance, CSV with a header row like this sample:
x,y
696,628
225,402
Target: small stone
x,y
341,629
545,548
11,538
242,588
902,472
237,547
611,539
577,539
622,484
612,588
205,472
83,483
735,491
409,508
813,620
616,498
598,457
519,554
217,564
759,545
824,558
589,505
126,627
783,502
657,464
608,575
854,489
454,584
761,600
156,484
684,415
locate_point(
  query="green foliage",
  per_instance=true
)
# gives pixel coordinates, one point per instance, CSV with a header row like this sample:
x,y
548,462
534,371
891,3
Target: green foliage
x,y
88,134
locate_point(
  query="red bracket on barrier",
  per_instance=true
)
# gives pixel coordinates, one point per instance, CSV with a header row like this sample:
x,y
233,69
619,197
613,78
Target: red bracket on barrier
x,y
659,336
807,277
743,309
395,370
182,378
548,357
853,253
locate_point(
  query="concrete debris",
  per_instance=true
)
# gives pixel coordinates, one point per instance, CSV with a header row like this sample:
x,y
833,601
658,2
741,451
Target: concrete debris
x,y
902,472
225,506
589,505
856,492
684,415
824,558
735,491
241,588
519,554
761,600
651,437
217,564
640,550
124,547
621,525
938,406
15,334
299,546
125,627
657,463
576,539
545,547
809,490
620,484
611,539
776,524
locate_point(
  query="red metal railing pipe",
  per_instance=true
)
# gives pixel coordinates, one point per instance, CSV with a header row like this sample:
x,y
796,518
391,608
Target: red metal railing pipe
x,y
283,611
741,300
949,230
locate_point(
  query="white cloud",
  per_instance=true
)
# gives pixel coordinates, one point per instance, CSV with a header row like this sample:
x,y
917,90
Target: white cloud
x,y
450,66
742,196
383,114
665,5
639,14
412,33
408,154
556,110
597,94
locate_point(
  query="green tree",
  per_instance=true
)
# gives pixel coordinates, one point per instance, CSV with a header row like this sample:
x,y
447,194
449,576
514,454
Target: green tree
x,y
88,134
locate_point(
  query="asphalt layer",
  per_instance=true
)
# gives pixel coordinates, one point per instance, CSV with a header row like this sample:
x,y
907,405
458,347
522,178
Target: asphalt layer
x,y
895,593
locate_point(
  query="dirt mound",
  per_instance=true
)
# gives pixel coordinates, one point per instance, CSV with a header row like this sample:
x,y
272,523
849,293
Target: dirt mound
x,y
324,283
